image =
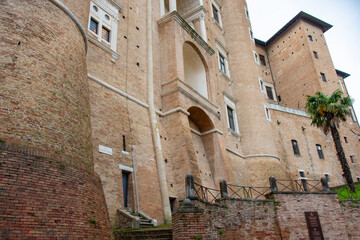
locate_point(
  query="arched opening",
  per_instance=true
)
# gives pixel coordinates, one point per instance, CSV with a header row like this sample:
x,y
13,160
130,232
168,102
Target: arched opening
x,y
194,70
200,123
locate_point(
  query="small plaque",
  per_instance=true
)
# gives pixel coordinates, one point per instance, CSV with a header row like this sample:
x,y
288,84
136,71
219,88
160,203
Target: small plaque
x,y
105,150
314,226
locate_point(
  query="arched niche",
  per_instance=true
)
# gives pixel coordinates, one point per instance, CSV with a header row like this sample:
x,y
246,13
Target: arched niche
x,y
203,143
194,69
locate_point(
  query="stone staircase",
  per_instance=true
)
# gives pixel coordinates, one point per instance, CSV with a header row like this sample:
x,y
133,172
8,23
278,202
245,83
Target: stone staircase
x,y
153,233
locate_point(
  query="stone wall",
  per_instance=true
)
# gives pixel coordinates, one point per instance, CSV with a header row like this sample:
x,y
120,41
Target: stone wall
x,y
352,217
44,196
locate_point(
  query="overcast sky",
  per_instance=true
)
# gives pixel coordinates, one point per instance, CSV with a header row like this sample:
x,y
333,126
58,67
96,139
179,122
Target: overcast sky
x,y
268,16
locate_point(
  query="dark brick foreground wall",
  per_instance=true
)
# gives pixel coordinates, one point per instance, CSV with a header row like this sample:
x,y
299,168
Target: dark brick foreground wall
x,y
282,219
238,220
48,198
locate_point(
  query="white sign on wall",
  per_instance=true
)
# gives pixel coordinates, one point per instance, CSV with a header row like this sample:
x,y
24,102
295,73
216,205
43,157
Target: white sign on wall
x,y
105,150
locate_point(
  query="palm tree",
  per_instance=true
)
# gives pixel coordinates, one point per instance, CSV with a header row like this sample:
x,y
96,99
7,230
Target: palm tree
x,y
326,113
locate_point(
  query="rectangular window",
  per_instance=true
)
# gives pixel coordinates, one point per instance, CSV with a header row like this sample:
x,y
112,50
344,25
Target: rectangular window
x,y
345,139
320,152
352,113
247,13
262,60
269,93
267,113
251,34
316,55
261,82
222,63
302,175
230,113
94,26
103,24
323,77
310,38
124,143
256,57
352,158
216,14
358,179
295,147
105,34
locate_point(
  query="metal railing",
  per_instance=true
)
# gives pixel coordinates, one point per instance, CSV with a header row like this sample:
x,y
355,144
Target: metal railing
x,y
206,194
246,192
302,185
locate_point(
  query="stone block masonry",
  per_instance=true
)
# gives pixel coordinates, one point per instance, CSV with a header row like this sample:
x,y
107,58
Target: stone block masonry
x,y
45,197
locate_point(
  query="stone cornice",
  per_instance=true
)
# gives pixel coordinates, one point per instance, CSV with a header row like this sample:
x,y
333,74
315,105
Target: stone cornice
x,y
287,109
176,16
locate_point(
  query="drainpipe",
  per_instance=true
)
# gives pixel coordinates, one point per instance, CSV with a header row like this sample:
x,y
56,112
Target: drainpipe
x,y
135,182
154,125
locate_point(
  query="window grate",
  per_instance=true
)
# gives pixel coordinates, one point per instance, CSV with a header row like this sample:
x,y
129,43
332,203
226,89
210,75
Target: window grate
x,y
94,26
105,34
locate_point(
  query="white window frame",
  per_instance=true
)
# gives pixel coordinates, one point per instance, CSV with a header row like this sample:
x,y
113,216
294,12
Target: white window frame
x,y
217,5
231,104
224,52
105,8
353,157
251,35
341,85
272,89
256,57
352,113
262,85
267,113
247,13
302,178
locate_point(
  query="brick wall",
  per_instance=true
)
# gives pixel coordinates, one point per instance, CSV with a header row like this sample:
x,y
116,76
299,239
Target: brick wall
x,y
283,218
233,220
351,212
44,197
292,220
44,93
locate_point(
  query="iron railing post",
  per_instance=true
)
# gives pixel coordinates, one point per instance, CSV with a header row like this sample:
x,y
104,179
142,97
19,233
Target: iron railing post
x,y
223,189
189,185
273,184
325,184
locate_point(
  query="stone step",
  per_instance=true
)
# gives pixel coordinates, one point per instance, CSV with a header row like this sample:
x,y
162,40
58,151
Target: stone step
x,y
154,233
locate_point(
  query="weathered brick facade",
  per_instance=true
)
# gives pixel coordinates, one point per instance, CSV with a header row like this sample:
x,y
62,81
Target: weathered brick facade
x,y
44,196
68,92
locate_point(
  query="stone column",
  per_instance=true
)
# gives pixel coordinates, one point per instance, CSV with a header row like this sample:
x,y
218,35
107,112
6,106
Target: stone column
x,y
203,27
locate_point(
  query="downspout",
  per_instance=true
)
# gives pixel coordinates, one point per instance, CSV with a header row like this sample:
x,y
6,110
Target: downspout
x,y
154,125
135,183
